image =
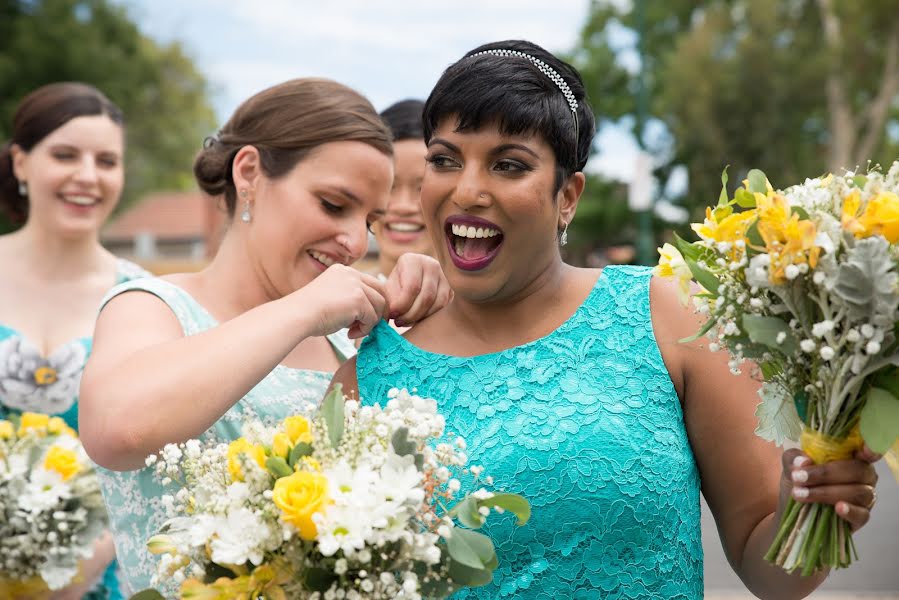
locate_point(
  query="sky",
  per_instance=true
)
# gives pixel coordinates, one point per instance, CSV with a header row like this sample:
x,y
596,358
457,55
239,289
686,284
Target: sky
x,y
387,49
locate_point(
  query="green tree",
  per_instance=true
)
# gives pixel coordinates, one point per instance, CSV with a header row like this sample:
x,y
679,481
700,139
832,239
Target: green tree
x,y
794,87
163,95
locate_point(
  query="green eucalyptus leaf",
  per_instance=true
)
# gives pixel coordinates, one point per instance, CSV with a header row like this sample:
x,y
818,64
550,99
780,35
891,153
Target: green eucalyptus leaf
x,y
333,412
514,503
299,451
765,330
278,467
469,548
467,513
757,181
466,576
880,420
887,379
744,199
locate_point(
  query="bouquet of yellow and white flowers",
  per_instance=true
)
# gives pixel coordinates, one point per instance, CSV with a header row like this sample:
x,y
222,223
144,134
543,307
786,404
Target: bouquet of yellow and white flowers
x,y
353,502
804,283
51,510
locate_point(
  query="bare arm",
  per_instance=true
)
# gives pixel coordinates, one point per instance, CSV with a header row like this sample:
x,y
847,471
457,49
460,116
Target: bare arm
x,y
742,475
147,385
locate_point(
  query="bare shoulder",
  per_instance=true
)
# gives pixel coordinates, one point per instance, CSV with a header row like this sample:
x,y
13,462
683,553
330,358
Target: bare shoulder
x,y
672,321
134,319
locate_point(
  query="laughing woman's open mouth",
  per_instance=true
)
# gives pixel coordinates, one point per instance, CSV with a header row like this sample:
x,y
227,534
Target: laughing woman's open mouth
x,y
473,242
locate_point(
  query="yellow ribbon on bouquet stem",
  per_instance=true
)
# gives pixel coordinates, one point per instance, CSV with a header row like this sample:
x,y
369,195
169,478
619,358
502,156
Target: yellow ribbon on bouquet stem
x,y
823,448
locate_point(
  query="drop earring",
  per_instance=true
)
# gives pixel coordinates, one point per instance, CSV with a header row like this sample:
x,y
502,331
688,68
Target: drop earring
x,y
245,215
23,189
563,239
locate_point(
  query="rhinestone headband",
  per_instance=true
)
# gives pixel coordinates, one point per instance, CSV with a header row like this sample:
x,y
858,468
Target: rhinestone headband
x,y
549,72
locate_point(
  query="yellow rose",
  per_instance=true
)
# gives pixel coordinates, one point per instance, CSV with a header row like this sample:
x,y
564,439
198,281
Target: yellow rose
x,y
299,496
672,264
36,421
281,445
6,430
881,217
242,446
65,462
298,430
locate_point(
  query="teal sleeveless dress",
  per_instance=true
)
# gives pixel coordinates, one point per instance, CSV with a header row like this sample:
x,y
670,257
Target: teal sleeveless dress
x,y
21,392
134,498
584,422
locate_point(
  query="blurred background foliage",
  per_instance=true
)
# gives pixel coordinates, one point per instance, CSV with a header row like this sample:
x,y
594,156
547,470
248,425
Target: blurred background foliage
x,y
163,95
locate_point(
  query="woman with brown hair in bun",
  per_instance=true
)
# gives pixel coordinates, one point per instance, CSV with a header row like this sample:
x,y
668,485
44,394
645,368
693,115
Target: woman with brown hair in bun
x,y
304,167
61,176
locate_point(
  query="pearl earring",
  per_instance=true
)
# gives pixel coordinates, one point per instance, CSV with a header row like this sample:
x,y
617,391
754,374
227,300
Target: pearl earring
x,y
23,189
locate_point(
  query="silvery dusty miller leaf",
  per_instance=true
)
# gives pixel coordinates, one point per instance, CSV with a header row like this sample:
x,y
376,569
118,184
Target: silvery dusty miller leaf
x,y
778,419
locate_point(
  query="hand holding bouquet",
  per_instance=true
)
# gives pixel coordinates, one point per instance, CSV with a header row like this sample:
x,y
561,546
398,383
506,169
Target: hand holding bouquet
x,y
804,282
51,510
354,502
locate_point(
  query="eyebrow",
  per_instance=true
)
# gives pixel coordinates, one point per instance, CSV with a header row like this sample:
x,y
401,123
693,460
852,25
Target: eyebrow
x,y
443,142
342,191
498,150
348,194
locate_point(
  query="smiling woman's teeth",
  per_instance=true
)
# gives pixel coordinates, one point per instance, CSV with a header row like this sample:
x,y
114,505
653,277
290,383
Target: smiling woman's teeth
x,y
325,260
81,200
471,232
404,227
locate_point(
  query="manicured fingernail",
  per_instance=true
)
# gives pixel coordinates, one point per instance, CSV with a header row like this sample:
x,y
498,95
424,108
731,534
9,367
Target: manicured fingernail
x,y
842,508
800,492
800,476
801,461
400,323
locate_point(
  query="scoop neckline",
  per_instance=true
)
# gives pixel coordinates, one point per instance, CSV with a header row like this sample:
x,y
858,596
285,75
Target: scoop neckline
x,y
593,291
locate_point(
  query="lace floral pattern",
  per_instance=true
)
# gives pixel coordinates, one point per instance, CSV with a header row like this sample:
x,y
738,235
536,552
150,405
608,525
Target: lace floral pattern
x,y
134,498
585,422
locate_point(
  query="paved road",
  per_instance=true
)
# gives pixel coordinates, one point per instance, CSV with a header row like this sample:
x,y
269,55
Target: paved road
x,y
874,576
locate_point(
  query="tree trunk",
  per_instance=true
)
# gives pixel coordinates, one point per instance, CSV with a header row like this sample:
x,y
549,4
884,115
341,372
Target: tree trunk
x,y
854,138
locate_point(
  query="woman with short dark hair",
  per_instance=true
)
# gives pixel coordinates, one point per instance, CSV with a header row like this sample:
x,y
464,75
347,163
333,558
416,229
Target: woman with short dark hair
x,y
569,385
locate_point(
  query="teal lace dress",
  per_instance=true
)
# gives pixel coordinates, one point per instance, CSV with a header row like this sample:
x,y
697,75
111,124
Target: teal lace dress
x,y
134,498
586,424
26,387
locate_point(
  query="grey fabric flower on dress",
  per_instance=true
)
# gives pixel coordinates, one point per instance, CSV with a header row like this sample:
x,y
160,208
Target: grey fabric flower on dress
x,y
31,382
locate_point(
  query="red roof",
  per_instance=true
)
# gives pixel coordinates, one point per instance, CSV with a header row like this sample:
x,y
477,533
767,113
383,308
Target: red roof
x,y
168,215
